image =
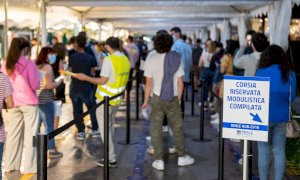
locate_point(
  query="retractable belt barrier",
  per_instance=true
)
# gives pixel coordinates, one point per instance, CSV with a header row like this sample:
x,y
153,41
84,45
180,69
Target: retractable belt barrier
x,y
41,141
202,139
201,129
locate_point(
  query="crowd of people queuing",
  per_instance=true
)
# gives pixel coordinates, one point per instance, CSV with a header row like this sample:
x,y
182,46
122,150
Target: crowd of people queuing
x,y
33,90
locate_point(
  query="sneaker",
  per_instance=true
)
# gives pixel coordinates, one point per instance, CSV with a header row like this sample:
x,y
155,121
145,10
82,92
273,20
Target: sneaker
x,y
185,160
214,116
205,106
148,138
55,154
80,136
95,134
165,128
150,150
159,165
215,121
172,150
112,164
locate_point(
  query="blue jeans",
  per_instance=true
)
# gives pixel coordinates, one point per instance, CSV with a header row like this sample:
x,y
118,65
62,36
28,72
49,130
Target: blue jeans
x,y
277,141
207,75
1,155
47,118
77,102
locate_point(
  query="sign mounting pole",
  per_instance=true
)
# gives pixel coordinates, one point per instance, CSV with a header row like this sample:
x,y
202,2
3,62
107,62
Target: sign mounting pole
x,y
245,161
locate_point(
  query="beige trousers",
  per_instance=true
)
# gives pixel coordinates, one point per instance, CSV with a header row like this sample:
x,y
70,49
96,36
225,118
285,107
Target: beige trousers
x,y
22,126
100,119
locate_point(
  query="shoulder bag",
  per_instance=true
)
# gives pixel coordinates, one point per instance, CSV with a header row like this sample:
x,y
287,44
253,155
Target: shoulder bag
x,y
292,127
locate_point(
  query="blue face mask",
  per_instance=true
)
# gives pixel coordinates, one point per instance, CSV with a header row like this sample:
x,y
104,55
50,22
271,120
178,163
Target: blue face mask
x,y
174,37
52,59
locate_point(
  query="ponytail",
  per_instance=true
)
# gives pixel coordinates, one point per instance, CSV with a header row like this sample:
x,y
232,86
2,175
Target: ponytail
x,y
14,53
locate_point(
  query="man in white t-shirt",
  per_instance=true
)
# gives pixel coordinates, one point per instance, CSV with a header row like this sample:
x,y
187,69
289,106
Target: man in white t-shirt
x,y
165,85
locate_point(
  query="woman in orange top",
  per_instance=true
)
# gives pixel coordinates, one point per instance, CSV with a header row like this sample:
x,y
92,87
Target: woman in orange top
x,y
227,61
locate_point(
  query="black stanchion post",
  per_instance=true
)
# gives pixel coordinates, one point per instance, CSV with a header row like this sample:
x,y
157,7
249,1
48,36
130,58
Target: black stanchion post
x,y
137,93
193,95
41,145
250,160
127,140
221,144
106,141
201,138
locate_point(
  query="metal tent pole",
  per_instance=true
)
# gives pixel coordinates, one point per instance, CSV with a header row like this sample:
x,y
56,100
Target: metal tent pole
x,y
5,27
44,30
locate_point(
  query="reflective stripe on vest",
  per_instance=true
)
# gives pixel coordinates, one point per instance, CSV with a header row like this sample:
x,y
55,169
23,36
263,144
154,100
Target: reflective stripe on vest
x,y
121,69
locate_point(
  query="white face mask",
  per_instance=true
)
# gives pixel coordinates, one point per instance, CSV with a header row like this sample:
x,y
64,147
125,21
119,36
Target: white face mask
x,y
174,37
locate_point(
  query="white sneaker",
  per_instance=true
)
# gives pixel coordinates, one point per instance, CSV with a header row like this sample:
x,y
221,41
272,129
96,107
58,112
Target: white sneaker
x,y
159,165
172,150
80,136
150,150
95,134
148,138
215,121
214,116
241,161
205,107
165,128
185,160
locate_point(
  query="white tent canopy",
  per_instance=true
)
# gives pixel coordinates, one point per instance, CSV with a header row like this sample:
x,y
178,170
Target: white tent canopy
x,y
141,16
157,14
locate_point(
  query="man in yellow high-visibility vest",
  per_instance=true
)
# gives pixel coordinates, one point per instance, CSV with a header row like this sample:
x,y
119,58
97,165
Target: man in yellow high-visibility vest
x,y
112,81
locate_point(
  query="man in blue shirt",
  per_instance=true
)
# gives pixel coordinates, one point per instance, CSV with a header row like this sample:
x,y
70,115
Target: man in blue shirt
x,y
185,51
186,57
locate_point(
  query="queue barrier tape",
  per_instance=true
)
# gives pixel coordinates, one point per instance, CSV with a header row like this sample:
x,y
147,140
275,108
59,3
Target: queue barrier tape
x,y
79,118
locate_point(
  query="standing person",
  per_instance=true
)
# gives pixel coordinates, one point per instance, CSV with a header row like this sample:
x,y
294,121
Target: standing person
x,y
102,53
204,64
24,116
45,59
5,97
163,72
113,80
54,41
247,50
185,52
133,55
249,62
274,63
71,46
35,48
80,91
197,52
226,68
133,51
59,93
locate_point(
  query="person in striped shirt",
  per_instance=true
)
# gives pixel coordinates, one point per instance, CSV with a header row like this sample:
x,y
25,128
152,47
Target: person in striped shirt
x,y
5,98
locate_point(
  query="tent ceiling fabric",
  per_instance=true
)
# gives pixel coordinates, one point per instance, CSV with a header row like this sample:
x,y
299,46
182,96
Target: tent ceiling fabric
x,y
144,16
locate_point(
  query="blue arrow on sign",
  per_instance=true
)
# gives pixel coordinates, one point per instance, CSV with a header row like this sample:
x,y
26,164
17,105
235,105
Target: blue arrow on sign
x,y
256,117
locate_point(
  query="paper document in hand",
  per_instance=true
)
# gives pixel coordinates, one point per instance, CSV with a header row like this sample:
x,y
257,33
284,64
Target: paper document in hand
x,y
67,73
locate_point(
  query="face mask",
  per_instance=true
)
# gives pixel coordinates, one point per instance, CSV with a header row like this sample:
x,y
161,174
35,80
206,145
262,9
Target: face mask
x,y
174,37
52,59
